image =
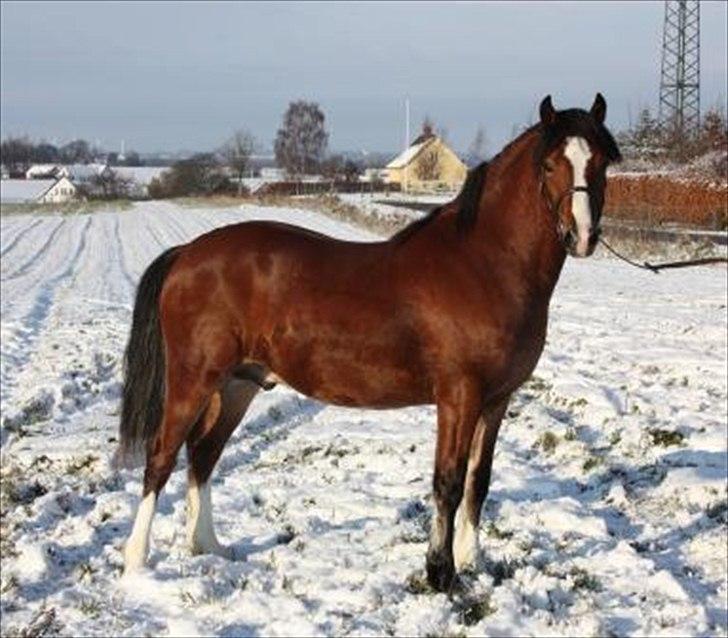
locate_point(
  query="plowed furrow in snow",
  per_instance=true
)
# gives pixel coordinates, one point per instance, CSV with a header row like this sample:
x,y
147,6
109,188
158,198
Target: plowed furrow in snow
x,y
38,254
119,254
17,348
16,237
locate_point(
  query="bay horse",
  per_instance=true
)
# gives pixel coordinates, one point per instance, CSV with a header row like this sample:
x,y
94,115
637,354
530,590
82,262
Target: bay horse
x,y
452,310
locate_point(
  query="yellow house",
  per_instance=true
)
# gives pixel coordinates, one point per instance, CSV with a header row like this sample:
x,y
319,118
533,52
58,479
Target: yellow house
x,y
427,165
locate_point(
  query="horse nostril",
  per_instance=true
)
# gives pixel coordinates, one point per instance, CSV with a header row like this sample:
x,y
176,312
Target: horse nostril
x,y
594,235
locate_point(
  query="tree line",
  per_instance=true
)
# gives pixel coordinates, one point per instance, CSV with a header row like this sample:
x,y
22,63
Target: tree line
x,y
300,149
301,145
650,140
18,154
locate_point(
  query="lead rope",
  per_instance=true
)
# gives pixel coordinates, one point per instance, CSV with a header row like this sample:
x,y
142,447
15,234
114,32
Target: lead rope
x,y
646,265
656,268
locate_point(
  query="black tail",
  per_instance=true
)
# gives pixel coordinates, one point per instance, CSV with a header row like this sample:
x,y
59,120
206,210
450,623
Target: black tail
x,y
144,365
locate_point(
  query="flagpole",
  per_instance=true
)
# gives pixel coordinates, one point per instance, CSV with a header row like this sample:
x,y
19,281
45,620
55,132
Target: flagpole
x,y
407,136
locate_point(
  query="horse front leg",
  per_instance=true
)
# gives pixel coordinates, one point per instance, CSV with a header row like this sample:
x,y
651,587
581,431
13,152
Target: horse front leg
x,y
458,408
477,481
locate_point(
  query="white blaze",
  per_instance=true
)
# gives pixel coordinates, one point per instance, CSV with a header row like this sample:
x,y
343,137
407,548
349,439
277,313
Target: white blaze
x,y
578,153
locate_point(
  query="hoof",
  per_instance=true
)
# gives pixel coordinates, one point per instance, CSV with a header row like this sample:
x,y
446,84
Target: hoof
x,y
135,559
440,572
223,551
467,562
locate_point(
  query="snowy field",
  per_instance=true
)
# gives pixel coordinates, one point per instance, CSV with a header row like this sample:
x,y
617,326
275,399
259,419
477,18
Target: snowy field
x,y
607,513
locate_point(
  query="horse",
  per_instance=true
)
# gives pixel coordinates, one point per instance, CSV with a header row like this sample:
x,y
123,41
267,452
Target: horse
x,y
451,311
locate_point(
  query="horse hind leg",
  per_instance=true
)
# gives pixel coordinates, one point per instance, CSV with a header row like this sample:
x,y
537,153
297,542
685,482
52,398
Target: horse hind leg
x,y
204,447
187,394
179,416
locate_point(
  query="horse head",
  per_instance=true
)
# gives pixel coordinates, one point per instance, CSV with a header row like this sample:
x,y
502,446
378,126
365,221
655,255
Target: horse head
x,y
572,159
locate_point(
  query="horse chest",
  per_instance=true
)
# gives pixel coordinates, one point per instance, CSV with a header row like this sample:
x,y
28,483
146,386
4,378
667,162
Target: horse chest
x,y
505,356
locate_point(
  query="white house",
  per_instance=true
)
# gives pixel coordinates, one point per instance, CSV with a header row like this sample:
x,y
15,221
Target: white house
x,y
39,191
374,175
43,171
272,174
82,173
139,177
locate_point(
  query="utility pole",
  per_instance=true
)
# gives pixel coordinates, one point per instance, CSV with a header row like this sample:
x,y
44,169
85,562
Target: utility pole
x,y
406,138
680,72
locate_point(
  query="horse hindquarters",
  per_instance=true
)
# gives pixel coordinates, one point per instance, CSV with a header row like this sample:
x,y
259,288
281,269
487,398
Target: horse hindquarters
x,y
198,353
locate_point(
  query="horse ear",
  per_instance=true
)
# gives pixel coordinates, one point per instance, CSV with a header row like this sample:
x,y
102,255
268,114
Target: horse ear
x,y
547,112
599,108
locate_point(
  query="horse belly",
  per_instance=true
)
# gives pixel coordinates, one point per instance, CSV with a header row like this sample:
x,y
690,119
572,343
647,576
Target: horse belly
x,y
356,374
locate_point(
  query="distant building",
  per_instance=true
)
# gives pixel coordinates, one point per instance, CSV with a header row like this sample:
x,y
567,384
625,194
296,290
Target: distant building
x,y
139,178
43,171
272,174
38,191
374,175
427,165
82,173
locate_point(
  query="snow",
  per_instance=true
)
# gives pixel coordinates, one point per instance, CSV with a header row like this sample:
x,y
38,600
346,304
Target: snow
x,y
82,172
142,175
606,515
406,156
17,191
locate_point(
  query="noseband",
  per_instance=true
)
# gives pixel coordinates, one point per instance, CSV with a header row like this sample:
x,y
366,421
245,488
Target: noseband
x,y
555,207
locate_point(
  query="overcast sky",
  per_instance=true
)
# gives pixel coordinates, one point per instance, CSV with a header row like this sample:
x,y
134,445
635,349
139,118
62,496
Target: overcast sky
x,y
170,76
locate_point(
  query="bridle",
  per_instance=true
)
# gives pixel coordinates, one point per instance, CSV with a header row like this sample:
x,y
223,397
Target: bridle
x,y
555,207
562,234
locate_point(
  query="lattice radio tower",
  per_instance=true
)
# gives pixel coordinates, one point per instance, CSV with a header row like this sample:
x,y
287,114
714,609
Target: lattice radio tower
x,y
680,76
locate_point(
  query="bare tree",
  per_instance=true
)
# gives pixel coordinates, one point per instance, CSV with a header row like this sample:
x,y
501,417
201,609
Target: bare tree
x,y
199,175
428,166
714,130
77,152
301,142
16,154
237,151
477,149
109,184
443,133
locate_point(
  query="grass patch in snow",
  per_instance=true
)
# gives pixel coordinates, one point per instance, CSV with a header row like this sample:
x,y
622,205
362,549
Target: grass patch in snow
x,y
666,438
582,579
493,531
43,623
77,207
417,584
547,441
592,462
472,610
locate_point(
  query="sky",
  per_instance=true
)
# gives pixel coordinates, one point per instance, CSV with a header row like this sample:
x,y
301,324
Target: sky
x,y
171,76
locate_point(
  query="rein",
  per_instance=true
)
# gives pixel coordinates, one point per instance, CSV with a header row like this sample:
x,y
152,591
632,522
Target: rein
x,y
656,268
646,265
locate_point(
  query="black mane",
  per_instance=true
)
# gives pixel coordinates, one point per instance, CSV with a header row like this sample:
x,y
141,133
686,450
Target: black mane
x,y
468,200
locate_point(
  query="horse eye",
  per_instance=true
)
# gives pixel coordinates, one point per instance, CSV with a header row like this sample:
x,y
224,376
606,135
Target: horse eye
x,y
549,166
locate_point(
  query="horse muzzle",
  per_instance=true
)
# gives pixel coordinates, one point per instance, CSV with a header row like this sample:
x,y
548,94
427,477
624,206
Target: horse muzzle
x,y
577,248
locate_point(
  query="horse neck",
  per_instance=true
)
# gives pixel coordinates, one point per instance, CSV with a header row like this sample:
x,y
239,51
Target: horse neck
x,y
515,223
